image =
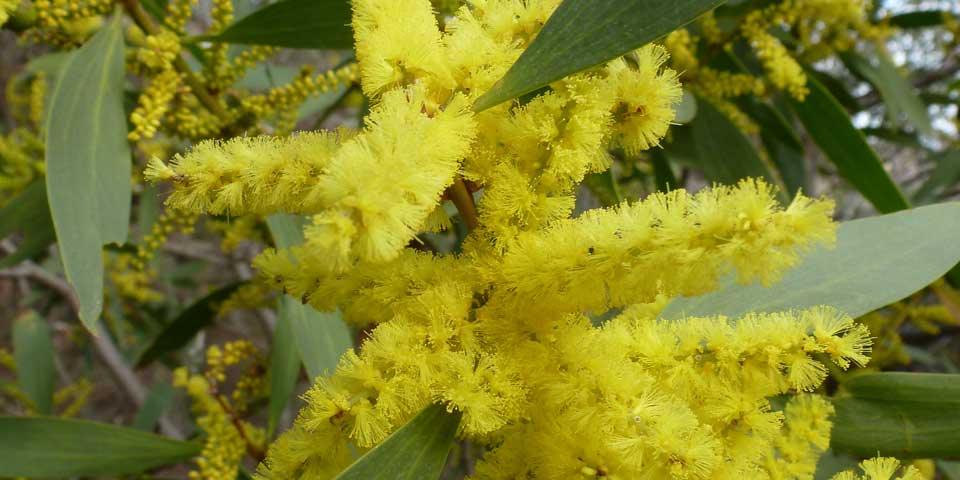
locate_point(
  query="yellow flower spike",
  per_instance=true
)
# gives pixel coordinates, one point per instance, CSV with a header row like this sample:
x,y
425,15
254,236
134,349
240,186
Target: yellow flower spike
x,y
153,105
646,99
396,42
881,468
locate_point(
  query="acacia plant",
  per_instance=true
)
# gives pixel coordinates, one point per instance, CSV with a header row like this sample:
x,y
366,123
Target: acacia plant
x,y
492,239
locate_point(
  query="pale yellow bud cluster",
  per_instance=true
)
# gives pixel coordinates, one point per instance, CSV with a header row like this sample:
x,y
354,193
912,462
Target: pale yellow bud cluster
x,y
178,13
131,278
171,221
289,97
783,71
153,104
67,22
158,52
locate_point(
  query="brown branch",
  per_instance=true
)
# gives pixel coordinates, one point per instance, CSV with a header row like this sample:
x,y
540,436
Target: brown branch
x,y
463,200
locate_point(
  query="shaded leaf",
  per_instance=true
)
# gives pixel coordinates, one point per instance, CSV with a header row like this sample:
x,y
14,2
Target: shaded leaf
x,y
687,108
33,352
876,262
416,451
603,186
662,172
321,337
187,324
919,19
584,33
158,400
88,163
28,213
293,24
844,145
723,151
57,447
906,415
945,174
284,365
899,95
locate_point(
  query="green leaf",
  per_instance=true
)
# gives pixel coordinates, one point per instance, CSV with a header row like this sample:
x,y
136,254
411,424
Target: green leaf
x,y
905,415
321,337
284,365
88,163
723,151
27,212
844,145
583,33
56,447
158,400
876,262
945,174
33,352
322,24
187,324
416,451
662,172
603,186
920,19
897,92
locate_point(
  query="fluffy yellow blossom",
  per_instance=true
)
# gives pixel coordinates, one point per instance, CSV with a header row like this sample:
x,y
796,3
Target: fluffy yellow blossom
x,y
880,468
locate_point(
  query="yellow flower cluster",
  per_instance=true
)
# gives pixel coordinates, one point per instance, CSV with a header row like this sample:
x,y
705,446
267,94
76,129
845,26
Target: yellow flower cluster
x,y
885,325
783,71
881,468
501,330
228,438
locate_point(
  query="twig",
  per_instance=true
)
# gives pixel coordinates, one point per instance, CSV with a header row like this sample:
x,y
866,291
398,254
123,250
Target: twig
x,y
105,348
463,200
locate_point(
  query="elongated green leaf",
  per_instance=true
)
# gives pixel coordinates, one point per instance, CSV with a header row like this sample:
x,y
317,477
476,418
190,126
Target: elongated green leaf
x,y
417,451
876,262
907,415
39,447
897,92
187,324
284,366
829,125
723,151
33,351
321,337
294,24
152,409
584,33
945,174
919,19
28,213
88,163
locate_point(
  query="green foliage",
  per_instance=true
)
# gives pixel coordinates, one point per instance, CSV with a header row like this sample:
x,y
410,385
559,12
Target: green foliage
x,y
88,164
416,450
293,24
33,350
54,447
584,33
829,125
29,214
906,415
